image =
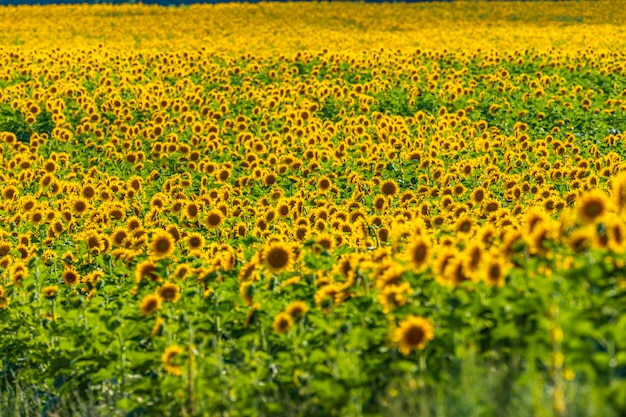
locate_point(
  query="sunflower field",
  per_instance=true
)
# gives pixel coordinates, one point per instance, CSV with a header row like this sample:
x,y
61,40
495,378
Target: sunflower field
x,y
313,209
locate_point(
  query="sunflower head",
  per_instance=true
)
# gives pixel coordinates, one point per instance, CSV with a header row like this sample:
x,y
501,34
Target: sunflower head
x,y
70,276
170,360
162,244
214,219
150,304
169,292
297,309
592,206
413,333
277,256
282,322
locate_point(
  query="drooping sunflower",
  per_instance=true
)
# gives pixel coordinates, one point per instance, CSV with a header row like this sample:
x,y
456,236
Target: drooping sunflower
x,y
162,244
246,290
50,291
18,272
297,309
119,236
150,304
413,333
146,269
277,256
169,360
182,271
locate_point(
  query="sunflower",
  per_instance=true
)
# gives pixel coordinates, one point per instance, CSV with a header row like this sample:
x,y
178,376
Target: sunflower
x,y
150,304
10,192
464,225
582,239
456,273
50,291
277,256
533,218
214,219
162,244
616,231
324,183
133,223
592,206
169,292
70,276
79,206
269,179
413,333
169,360
5,248
146,269
95,243
18,272
478,195
297,309
618,190
192,211
282,322
182,271
194,241
119,236
325,241
246,290
494,271
389,188
88,192
473,256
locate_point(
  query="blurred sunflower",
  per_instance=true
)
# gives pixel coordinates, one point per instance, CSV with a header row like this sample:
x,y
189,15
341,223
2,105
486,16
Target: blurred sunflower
x,y
169,360
150,304
162,245
277,256
413,333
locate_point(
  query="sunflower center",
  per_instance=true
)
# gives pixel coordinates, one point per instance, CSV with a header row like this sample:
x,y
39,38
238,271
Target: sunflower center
x,y
594,209
277,258
414,336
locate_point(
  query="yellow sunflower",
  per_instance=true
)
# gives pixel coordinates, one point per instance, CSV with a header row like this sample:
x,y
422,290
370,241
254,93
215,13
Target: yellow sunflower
x,y
162,244
169,360
150,304
169,292
413,333
282,322
277,257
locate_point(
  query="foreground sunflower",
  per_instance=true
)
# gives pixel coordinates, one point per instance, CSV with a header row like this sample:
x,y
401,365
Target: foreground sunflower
x,y
413,333
277,256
